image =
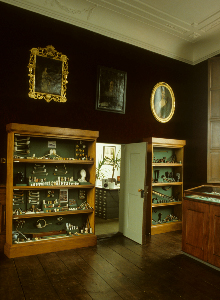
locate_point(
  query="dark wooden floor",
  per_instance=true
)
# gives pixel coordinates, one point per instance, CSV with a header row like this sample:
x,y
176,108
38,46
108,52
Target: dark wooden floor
x,y
117,268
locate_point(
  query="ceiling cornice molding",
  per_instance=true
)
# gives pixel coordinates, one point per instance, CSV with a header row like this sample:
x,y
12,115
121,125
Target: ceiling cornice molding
x,y
211,25
168,39
96,29
206,57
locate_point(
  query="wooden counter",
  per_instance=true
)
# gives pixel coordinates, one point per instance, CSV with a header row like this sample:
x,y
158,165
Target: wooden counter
x,y
201,230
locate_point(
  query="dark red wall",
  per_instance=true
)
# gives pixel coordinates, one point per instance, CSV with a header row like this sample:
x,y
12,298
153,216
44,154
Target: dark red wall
x,y
86,50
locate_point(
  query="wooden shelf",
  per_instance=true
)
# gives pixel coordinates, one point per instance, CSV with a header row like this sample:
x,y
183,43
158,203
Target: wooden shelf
x,y
166,183
58,213
53,187
51,245
53,161
166,227
166,204
167,165
52,132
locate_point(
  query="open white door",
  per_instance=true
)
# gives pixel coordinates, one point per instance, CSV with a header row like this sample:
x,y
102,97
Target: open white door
x,y
132,204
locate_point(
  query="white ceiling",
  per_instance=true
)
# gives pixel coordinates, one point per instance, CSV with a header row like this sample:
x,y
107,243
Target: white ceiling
x,y
186,30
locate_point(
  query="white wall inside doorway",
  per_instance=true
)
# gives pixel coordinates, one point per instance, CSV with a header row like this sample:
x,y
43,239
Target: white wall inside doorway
x,y
99,157
107,227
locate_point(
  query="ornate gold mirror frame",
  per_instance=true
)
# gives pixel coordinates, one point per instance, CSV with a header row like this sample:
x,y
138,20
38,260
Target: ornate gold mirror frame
x,y
162,102
48,71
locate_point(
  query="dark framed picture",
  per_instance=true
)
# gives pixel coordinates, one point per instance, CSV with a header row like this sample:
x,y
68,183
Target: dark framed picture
x,y
108,153
63,196
162,102
48,70
111,90
48,75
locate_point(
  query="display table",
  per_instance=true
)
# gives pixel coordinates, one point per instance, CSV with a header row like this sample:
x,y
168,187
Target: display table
x,y
107,203
201,223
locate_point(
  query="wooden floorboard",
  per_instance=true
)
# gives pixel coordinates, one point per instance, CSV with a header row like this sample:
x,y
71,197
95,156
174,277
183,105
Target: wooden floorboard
x,y
9,281
123,287
60,277
85,273
33,279
142,273
117,268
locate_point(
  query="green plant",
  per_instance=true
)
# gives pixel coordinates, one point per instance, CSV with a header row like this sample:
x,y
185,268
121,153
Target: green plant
x,y
99,172
115,161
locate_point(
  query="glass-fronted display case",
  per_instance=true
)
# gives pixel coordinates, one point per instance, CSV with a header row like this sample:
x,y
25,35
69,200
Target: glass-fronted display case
x,y
165,161
50,191
201,223
208,193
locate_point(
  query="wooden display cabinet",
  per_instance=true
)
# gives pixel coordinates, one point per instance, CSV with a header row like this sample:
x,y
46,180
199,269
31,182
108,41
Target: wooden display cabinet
x,y
201,223
165,184
50,202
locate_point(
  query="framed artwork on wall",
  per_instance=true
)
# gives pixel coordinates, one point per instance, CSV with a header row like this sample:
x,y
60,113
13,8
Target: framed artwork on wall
x,y
111,90
48,70
108,153
162,102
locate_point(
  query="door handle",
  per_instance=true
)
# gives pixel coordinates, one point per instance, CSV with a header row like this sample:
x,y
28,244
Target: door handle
x,y
142,193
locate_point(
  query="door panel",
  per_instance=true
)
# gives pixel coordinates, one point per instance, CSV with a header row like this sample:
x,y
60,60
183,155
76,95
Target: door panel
x,y
133,170
214,241
195,229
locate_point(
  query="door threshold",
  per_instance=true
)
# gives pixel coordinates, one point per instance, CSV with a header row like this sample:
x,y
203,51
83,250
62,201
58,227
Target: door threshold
x,y
109,235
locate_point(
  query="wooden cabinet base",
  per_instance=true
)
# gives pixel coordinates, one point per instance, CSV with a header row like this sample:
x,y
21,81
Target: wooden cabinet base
x,y
195,235
201,230
162,228
45,246
2,242
214,233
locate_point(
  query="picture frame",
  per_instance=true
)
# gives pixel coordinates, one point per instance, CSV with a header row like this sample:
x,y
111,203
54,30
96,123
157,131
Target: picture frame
x,y
108,153
63,196
48,71
111,90
162,102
